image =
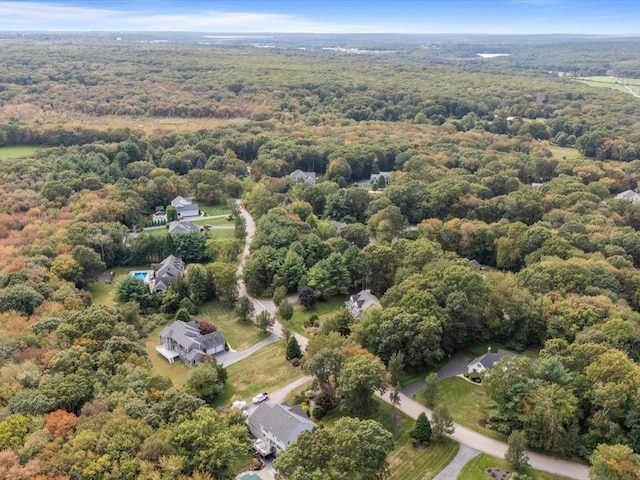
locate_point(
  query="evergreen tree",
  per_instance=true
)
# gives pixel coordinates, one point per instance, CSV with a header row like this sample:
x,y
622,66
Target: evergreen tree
x,y
293,348
422,432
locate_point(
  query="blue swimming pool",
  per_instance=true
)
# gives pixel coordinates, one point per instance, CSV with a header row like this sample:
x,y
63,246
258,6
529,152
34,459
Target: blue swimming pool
x,y
249,476
140,275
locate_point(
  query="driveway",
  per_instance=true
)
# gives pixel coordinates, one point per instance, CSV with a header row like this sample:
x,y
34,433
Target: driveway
x,y
455,367
452,470
229,358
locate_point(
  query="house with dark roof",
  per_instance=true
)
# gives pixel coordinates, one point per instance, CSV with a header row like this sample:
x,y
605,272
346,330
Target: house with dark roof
x,y
164,273
185,207
374,179
275,427
306,177
488,360
183,227
184,340
359,302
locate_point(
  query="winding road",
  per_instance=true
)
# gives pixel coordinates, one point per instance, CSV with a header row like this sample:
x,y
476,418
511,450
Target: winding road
x,y
407,405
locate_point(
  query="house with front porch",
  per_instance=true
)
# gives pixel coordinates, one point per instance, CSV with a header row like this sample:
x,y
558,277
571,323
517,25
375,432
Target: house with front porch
x,y
275,427
185,341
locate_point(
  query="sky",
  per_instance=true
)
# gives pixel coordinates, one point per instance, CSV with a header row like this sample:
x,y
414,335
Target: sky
x,y
599,17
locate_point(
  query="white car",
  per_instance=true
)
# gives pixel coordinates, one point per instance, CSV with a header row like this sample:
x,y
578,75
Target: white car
x,y
261,397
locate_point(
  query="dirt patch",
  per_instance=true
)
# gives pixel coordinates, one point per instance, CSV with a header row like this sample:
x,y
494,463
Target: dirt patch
x,y
483,422
497,473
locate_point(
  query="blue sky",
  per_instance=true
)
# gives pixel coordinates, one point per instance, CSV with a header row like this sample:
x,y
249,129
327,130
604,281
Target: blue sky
x,y
617,17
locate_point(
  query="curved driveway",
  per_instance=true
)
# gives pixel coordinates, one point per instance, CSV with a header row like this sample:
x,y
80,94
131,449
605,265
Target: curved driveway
x,y
409,406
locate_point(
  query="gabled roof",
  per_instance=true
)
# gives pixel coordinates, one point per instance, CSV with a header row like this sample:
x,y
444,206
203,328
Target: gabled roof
x,y
300,176
281,421
171,266
359,302
489,359
187,335
629,196
183,227
180,201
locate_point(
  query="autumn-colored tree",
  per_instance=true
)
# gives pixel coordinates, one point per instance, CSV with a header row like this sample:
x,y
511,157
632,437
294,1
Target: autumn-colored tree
x,y
60,423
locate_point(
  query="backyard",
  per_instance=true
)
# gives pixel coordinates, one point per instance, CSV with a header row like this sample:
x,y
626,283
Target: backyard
x,y
475,469
102,292
177,372
238,334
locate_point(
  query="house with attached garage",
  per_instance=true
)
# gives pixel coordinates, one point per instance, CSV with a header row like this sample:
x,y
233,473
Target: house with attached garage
x,y
275,427
185,207
185,341
359,302
183,227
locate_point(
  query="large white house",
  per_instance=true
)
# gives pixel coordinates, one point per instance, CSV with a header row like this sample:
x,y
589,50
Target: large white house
x,y
359,302
184,340
306,177
185,207
629,196
164,273
488,360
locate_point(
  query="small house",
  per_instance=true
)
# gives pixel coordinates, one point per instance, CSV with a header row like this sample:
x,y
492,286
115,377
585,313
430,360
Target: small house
x,y
488,360
184,340
629,196
183,227
375,178
185,207
275,427
306,177
359,302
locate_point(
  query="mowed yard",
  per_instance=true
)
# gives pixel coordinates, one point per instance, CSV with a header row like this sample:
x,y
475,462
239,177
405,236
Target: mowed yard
x,y
474,470
103,293
238,334
17,151
264,371
321,309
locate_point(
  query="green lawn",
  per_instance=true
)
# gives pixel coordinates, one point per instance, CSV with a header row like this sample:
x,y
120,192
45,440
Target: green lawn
x,y
102,293
474,470
465,401
264,371
410,463
177,372
17,151
321,309
215,221
239,335
212,210
564,153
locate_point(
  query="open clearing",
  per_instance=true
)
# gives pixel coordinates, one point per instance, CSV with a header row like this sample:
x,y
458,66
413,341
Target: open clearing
x,y
613,83
239,335
264,371
474,470
17,151
321,309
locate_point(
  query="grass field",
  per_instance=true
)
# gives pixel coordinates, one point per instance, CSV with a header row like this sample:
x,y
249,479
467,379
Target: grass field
x,y
17,151
465,401
102,293
612,83
321,309
212,210
564,153
239,335
177,372
215,221
264,371
474,470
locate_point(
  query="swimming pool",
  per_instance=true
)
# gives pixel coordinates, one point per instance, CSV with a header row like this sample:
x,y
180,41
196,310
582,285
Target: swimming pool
x,y
140,275
250,476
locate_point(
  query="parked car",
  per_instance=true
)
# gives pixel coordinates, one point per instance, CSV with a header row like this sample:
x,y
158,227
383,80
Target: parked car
x,y
261,397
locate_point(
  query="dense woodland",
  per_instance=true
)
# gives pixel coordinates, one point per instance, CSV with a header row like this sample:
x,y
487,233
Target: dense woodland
x,y
464,144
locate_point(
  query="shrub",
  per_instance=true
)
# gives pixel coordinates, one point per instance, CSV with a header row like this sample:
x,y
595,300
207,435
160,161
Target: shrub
x,y
318,412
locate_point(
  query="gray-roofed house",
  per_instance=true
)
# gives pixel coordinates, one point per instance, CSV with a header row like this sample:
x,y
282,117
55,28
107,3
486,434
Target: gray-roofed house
x,y
339,226
359,302
277,426
300,176
375,178
164,273
185,207
486,361
184,340
629,196
183,227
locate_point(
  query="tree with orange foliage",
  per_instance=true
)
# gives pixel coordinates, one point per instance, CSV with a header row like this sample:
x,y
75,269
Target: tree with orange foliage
x,y
60,423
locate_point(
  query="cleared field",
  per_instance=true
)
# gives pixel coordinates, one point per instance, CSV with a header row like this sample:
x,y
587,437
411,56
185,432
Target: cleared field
x,y
239,335
17,151
465,401
612,83
564,153
212,210
102,293
264,371
474,470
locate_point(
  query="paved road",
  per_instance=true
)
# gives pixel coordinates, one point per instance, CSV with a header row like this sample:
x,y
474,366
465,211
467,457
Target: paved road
x,y
454,368
229,358
407,405
496,448
452,470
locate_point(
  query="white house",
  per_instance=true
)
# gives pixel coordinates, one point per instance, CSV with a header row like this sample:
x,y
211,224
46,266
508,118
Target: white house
x,y
359,302
375,178
629,196
164,273
300,176
185,207
486,361
277,426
